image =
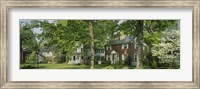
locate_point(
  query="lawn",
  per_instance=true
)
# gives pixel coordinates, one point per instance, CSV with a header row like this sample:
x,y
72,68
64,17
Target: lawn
x,y
53,66
67,66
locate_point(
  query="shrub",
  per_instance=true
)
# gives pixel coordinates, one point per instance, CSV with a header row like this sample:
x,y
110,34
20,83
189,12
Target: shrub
x,y
128,61
118,63
109,67
62,57
28,66
108,62
154,64
31,58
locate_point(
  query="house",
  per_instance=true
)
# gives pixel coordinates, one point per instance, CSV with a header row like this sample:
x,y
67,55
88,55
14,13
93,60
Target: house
x,y
78,56
82,55
99,54
47,54
121,48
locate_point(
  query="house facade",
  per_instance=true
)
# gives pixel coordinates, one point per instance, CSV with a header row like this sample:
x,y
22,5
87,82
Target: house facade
x,y
47,54
98,53
78,56
121,48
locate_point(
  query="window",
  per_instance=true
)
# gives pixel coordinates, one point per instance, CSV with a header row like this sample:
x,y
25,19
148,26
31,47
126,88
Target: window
x,y
78,50
106,47
81,46
135,46
108,57
110,47
123,57
124,46
102,51
74,57
135,58
143,47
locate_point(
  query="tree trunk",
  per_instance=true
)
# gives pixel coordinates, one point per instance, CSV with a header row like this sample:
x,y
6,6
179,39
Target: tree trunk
x,y
139,44
21,54
91,44
84,54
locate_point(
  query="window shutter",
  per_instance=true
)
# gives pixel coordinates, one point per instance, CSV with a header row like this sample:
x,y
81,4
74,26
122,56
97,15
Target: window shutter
x,y
106,57
123,57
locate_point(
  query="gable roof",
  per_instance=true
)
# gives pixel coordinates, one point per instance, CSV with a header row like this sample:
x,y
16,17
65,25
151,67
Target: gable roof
x,y
118,41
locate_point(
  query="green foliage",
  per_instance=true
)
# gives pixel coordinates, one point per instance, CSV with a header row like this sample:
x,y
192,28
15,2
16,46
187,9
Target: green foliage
x,y
119,63
57,58
145,31
32,58
127,61
168,51
103,31
28,66
77,33
154,64
68,35
109,67
27,37
108,62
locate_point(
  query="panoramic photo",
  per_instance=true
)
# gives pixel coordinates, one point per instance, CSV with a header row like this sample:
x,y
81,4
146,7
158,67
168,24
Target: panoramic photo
x,y
99,44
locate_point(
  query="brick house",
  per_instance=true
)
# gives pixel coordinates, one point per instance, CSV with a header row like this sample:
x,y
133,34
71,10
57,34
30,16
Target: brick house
x,y
120,48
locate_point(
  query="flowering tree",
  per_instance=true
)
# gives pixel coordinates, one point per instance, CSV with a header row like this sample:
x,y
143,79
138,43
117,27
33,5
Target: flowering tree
x,y
168,50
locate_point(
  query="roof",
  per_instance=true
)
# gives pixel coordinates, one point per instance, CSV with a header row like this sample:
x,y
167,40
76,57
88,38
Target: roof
x,y
52,48
117,41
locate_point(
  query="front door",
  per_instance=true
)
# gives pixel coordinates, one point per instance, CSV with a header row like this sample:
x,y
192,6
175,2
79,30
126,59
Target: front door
x,y
114,58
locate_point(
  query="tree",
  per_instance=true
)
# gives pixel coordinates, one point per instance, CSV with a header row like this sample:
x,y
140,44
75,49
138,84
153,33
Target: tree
x,y
168,51
70,34
139,44
100,32
136,29
92,43
27,40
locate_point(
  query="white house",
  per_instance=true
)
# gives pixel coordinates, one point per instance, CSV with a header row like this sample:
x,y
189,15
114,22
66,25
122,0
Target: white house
x,y
77,56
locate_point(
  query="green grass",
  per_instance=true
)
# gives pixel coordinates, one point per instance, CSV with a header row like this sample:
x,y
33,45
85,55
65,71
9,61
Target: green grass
x,y
53,66
67,66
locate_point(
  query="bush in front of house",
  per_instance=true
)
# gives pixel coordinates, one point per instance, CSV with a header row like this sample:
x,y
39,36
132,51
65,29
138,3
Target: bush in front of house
x,y
119,63
127,61
109,67
108,62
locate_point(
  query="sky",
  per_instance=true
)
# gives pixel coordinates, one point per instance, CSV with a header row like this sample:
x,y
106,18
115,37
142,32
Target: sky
x,y
35,30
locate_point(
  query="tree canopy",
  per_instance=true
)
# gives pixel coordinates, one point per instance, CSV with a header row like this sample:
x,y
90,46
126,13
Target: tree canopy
x,y
68,35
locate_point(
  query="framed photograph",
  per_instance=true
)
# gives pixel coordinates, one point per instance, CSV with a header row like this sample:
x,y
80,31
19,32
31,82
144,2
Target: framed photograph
x,y
100,44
